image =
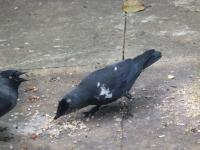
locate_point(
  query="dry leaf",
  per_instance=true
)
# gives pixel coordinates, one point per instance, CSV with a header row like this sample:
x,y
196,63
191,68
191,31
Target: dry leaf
x,y
33,98
34,136
31,88
24,147
132,6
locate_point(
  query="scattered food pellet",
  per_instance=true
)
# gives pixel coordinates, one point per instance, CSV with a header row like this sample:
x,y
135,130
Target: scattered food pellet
x,y
180,124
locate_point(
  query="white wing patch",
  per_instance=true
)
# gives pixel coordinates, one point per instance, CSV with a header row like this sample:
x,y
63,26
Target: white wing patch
x,y
105,91
115,69
98,84
69,100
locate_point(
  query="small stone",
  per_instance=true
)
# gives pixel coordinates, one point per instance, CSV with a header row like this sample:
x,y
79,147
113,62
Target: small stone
x,y
118,119
161,136
153,145
191,76
31,51
148,96
170,76
173,86
75,142
143,89
198,141
11,147
88,119
97,125
16,113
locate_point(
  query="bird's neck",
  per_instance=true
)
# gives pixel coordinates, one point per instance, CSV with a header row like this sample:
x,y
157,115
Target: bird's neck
x,y
80,97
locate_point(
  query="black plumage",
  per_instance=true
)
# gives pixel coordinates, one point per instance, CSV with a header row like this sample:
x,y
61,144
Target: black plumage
x,y
9,83
106,85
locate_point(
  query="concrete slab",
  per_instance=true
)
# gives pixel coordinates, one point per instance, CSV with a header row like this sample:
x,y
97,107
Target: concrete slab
x,y
54,34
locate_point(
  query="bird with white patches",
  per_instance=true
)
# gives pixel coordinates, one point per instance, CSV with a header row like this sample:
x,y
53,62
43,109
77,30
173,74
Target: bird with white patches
x,y
106,92
106,85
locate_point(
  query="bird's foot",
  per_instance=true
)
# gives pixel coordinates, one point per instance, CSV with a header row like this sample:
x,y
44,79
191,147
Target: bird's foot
x,y
129,97
127,106
92,111
127,114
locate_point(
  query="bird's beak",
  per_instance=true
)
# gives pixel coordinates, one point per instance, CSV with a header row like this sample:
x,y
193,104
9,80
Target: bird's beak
x,y
18,74
56,117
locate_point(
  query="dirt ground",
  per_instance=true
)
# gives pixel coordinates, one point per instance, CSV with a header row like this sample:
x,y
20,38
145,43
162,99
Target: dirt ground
x,y
60,42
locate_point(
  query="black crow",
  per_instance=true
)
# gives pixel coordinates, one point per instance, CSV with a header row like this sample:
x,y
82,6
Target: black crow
x,y
106,85
9,83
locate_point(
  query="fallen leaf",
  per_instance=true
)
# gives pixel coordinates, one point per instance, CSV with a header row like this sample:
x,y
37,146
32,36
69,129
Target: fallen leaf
x,y
33,98
31,88
34,136
132,6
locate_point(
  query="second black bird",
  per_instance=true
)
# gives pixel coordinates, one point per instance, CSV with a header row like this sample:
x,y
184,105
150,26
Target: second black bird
x,y
106,85
9,83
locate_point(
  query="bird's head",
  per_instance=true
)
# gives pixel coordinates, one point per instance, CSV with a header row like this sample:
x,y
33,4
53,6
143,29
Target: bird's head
x,y
13,76
64,107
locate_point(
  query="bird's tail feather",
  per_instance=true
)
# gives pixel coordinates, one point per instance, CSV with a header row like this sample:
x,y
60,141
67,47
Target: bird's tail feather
x,y
148,58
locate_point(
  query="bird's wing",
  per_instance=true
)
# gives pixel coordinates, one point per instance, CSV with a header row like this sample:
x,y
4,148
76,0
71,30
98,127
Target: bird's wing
x,y
5,103
114,78
8,97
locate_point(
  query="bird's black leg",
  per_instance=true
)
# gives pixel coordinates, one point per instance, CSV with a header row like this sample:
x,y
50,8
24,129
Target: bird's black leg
x,y
129,104
129,96
92,111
